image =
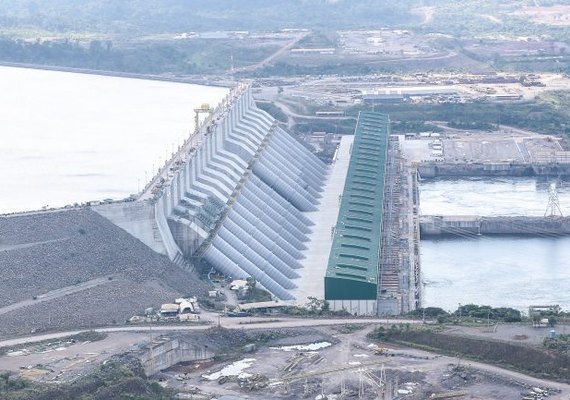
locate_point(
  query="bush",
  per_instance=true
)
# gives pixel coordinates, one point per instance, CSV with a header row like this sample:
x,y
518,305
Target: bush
x,y
504,314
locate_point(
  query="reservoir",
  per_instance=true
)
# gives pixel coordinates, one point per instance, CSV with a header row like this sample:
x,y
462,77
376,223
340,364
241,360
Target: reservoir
x,y
67,137
497,271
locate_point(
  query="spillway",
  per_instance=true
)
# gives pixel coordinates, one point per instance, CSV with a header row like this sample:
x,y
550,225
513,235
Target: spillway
x,y
238,199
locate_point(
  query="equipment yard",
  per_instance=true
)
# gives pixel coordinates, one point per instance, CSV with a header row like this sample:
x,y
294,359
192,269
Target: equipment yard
x,y
501,146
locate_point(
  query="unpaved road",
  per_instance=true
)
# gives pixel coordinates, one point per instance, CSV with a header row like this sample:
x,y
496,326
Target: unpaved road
x,y
225,322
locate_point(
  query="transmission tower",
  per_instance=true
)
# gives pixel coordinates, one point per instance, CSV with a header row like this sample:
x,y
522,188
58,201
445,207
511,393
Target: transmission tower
x,y
553,208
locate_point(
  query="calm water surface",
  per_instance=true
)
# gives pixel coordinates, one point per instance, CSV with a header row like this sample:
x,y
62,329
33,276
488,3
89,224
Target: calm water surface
x,y
498,271
68,137
490,197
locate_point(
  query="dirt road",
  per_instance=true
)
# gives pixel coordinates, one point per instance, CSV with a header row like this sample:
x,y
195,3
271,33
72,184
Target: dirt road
x,y
215,319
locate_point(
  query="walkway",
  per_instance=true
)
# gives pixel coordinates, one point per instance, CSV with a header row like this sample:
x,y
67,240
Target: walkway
x,y
312,282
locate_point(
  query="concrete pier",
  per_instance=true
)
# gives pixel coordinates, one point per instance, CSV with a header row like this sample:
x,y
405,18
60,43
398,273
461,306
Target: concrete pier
x,y
469,226
435,169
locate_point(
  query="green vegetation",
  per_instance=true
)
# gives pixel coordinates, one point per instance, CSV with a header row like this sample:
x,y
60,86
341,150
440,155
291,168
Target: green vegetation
x,y
318,40
504,314
139,36
256,295
136,17
342,126
119,378
145,17
534,361
146,57
430,313
347,329
413,126
314,307
560,343
12,386
469,313
548,113
488,18
287,69
273,110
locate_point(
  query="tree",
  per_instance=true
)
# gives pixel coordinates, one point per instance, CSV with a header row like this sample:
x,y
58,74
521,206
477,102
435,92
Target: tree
x,y
316,306
251,283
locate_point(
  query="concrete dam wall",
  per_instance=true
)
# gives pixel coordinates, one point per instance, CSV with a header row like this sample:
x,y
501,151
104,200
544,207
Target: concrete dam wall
x,y
436,225
236,200
434,170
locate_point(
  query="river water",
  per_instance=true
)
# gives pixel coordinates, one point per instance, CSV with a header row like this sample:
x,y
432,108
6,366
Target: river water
x,y
497,271
491,197
67,137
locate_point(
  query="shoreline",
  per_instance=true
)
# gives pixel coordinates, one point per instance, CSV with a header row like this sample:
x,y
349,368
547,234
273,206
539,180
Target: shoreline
x,y
205,81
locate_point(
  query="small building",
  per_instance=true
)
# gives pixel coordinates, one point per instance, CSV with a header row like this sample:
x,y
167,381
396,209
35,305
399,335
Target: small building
x,y
238,284
383,98
169,310
543,309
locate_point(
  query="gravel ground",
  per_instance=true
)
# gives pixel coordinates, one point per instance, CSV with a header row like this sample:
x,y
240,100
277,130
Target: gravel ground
x,y
518,333
81,245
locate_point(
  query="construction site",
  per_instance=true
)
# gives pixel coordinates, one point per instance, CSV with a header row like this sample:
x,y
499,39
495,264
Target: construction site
x,y
338,361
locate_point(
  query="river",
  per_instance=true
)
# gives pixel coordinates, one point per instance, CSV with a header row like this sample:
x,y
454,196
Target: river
x,y
491,196
68,137
498,271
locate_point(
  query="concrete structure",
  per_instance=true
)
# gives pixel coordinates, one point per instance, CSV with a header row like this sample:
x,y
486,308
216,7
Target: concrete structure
x,y
399,289
465,226
315,259
383,98
165,353
235,199
450,169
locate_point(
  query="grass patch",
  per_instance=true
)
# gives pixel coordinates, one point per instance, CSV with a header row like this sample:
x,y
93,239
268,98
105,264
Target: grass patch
x,y
273,110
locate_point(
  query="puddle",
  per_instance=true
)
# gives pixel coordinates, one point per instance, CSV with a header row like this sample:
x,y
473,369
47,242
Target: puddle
x,y
234,369
306,347
17,353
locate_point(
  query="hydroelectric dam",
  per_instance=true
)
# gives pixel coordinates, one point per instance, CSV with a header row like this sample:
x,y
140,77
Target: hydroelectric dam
x,y
242,196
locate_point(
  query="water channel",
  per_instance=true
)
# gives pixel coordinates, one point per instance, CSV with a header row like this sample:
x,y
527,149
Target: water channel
x,y
497,271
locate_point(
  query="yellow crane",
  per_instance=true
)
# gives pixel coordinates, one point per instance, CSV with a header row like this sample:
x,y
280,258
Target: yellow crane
x,y
203,109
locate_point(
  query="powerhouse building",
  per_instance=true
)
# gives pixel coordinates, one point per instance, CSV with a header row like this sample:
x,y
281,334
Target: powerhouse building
x,y
351,280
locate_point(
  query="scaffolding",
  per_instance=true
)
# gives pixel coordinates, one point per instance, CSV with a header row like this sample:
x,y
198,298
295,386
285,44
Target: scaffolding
x,y
399,269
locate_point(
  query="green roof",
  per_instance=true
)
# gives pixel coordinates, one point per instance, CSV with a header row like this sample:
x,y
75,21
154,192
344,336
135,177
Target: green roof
x,y
352,272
